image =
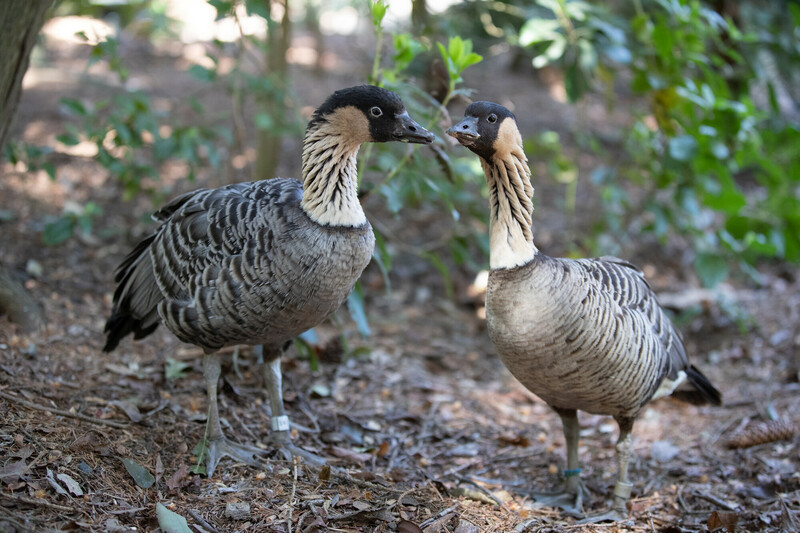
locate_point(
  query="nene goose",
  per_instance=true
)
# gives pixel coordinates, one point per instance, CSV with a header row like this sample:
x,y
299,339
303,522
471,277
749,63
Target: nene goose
x,y
582,334
259,263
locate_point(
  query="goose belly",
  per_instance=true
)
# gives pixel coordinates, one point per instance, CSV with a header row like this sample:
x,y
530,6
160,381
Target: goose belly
x,y
273,298
571,357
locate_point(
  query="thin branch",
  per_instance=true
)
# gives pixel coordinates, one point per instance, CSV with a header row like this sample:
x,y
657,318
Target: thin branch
x,y
39,502
60,412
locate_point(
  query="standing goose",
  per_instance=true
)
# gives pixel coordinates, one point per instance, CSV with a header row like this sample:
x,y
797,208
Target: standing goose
x,y
260,262
582,334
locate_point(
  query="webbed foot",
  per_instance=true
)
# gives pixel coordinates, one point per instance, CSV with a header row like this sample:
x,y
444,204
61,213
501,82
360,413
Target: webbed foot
x,y
221,447
571,504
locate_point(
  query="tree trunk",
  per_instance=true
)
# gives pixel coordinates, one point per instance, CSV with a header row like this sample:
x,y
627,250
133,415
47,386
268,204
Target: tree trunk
x,y
272,103
20,22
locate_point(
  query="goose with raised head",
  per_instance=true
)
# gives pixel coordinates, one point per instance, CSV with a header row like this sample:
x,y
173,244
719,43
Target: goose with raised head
x,y
582,334
261,262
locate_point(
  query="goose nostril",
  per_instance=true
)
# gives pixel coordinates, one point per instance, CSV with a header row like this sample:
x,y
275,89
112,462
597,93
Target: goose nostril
x,y
412,128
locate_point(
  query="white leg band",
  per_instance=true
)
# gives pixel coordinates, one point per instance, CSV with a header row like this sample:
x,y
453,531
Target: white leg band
x,y
280,423
623,490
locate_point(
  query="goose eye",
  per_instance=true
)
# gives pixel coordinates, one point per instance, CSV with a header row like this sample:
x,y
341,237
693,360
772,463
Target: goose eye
x,y
492,118
376,111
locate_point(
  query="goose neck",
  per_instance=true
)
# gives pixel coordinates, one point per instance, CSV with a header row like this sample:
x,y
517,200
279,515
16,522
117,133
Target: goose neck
x,y
511,210
330,178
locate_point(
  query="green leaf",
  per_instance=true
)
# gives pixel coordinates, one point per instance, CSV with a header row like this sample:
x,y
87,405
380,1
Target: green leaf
x,y
202,73
664,42
170,522
711,268
720,150
68,139
618,53
50,168
140,474
444,271
683,147
537,30
74,107
175,369
759,244
200,451
355,303
264,121
59,231
378,12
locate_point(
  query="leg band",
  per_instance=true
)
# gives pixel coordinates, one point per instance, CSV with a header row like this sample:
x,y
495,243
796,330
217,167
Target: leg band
x,y
574,472
280,423
623,490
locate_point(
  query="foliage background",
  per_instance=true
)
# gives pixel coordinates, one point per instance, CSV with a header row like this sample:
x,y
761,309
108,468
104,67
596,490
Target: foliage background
x,y
708,156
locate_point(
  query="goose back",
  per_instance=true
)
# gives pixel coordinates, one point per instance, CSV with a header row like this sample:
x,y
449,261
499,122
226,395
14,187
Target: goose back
x,y
239,264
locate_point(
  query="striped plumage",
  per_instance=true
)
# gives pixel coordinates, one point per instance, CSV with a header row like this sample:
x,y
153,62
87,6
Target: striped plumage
x,y
227,267
261,262
582,334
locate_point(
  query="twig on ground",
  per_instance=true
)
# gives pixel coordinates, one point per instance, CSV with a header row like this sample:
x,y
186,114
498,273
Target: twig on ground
x,y
238,419
293,494
125,511
9,518
196,515
439,516
39,502
342,474
60,412
716,501
482,490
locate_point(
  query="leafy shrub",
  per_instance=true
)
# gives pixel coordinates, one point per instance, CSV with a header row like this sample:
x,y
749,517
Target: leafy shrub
x,y
408,179
133,141
712,165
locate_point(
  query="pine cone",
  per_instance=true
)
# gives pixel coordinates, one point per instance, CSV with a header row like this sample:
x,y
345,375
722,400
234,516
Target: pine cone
x,y
762,432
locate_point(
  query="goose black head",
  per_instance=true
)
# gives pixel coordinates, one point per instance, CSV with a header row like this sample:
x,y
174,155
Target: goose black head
x,y
367,113
486,129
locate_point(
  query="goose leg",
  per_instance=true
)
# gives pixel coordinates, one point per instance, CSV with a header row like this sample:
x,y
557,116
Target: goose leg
x,y
273,379
571,498
218,445
622,489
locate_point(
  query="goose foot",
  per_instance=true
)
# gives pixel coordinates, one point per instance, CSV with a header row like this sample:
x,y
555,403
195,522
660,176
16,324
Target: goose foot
x,y
282,442
612,515
571,504
221,447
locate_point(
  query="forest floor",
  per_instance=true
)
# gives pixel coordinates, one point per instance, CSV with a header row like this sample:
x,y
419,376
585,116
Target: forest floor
x,y
423,426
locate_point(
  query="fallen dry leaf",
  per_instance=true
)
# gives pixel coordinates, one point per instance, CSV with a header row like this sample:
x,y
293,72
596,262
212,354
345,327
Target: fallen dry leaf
x,y
726,519
72,486
176,480
405,526
349,455
11,472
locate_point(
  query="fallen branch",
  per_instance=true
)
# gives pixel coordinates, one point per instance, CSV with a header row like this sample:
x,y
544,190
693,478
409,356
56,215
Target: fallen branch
x,y
716,501
60,412
39,502
196,515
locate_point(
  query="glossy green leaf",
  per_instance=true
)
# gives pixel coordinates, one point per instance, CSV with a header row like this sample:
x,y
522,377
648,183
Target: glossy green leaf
x,y
537,30
711,268
171,522
140,474
355,303
683,147
58,231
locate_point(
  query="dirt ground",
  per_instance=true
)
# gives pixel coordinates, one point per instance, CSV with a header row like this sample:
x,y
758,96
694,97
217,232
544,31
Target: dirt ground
x,y
423,427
